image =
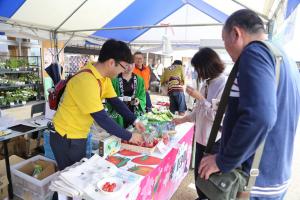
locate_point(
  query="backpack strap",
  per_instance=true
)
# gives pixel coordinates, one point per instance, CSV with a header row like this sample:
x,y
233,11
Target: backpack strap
x,y
276,54
89,71
254,171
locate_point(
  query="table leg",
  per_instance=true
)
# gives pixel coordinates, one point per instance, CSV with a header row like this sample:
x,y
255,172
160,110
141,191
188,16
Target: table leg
x,y
6,156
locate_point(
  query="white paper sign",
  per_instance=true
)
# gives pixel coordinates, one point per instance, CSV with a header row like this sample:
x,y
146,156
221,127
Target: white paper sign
x,y
161,147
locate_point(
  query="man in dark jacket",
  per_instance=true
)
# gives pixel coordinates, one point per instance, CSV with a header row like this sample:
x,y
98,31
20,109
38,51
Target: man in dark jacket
x,y
259,108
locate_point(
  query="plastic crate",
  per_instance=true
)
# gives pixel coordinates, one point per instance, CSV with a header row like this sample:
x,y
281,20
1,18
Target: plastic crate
x,y
49,152
25,185
24,193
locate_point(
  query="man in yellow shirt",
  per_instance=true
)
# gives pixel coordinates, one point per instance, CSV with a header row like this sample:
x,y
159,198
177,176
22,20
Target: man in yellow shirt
x,y
81,105
173,77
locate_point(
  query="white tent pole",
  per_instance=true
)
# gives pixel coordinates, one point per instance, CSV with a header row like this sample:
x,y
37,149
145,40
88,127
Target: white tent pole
x,y
11,22
280,4
70,15
147,58
260,14
66,43
36,27
60,25
142,27
273,19
55,39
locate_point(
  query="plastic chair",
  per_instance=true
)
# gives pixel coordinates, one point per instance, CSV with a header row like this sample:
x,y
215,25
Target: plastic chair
x,y
38,109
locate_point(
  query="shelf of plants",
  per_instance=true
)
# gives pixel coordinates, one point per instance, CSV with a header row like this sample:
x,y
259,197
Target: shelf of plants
x,y
20,80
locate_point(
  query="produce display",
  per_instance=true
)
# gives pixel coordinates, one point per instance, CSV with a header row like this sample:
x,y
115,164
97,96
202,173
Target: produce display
x,y
158,126
109,187
159,115
149,144
37,170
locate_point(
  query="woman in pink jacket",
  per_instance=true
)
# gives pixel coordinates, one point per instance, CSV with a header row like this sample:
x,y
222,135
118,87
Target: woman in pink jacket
x,y
209,68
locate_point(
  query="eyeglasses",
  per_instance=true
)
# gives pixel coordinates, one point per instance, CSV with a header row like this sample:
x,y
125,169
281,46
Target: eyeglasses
x,y
123,66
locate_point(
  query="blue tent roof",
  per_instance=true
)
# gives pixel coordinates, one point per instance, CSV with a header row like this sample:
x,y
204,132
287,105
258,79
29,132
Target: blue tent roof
x,y
114,13
137,15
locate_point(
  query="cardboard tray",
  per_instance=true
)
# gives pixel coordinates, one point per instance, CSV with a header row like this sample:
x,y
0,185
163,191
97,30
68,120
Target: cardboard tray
x,y
138,149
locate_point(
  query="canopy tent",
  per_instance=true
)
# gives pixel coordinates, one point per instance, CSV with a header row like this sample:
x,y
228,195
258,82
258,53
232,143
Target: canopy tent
x,y
142,23
288,34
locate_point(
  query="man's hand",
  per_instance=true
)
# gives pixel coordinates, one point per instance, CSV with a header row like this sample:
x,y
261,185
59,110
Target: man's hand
x,y
136,138
139,126
194,93
208,166
177,121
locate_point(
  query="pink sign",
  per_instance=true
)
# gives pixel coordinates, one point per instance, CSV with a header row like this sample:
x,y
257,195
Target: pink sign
x,y
164,180
160,176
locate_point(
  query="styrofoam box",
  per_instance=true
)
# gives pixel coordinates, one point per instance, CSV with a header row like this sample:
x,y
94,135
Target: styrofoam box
x,y
23,183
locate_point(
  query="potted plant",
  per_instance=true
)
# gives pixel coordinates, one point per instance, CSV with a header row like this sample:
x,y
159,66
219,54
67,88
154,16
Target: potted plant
x,y
23,79
23,64
2,65
24,99
11,100
13,64
3,101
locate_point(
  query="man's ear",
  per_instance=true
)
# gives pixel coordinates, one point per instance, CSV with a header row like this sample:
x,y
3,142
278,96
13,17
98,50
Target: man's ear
x,y
111,62
235,33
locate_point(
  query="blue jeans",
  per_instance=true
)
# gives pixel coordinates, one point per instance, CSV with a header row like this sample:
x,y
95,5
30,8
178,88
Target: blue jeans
x,y
177,102
148,102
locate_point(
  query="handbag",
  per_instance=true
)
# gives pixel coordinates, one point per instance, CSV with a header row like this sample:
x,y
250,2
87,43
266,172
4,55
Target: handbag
x,y
236,184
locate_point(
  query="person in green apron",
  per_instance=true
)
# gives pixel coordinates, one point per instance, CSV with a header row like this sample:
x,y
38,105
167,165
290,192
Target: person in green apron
x,y
131,90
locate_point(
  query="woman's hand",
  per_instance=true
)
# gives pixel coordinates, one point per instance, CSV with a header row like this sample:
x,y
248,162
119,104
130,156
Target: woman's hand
x,y
177,121
194,93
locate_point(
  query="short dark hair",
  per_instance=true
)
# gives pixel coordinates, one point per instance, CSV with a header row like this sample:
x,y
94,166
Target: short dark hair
x,y
177,62
246,19
117,50
207,64
137,53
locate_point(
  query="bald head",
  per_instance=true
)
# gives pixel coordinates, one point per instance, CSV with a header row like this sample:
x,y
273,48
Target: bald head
x,y
245,19
241,28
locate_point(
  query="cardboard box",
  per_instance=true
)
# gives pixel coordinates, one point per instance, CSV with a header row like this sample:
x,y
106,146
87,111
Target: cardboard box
x,y
109,146
12,161
48,168
3,178
16,146
3,187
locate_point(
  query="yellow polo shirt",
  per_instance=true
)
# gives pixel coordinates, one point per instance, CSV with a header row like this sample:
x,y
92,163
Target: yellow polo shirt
x,y
82,97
